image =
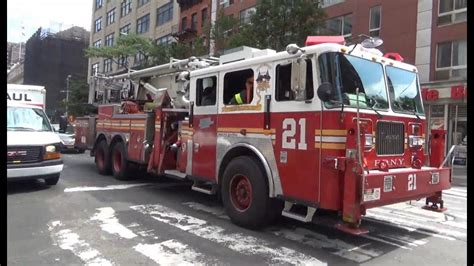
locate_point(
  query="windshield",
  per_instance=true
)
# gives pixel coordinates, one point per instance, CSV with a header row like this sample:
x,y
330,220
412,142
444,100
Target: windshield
x,y
347,73
27,119
404,90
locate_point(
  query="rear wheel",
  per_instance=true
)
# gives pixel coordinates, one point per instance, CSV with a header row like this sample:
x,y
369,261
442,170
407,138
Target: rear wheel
x,y
245,193
102,158
51,181
120,164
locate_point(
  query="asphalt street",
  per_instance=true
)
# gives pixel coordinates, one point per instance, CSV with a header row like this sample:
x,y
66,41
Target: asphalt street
x,y
89,219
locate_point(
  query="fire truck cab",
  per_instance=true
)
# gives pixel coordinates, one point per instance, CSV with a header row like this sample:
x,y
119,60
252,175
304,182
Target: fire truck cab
x,y
325,126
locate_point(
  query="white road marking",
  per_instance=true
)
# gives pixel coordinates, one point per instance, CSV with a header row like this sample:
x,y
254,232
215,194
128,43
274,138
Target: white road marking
x,y
409,222
170,252
238,242
111,187
69,240
216,211
110,223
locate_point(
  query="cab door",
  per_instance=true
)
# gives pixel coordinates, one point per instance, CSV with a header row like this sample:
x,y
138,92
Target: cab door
x,y
296,122
204,123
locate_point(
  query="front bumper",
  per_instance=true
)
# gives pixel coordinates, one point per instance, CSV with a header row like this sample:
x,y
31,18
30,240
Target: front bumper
x,y
406,184
38,170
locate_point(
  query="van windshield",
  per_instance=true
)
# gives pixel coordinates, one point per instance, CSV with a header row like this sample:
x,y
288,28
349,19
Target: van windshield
x,y
27,119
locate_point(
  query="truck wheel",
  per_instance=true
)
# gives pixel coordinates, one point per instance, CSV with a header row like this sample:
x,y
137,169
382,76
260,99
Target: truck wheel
x,y
102,158
51,181
120,164
245,193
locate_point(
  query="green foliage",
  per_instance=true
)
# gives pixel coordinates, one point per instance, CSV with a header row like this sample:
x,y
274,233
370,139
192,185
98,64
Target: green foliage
x,y
275,24
78,97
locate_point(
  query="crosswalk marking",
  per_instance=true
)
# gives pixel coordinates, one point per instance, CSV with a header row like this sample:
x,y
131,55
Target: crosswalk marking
x,y
170,252
68,240
110,224
236,241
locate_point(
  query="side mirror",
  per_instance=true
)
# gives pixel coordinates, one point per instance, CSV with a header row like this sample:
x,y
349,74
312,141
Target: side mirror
x,y
298,79
325,91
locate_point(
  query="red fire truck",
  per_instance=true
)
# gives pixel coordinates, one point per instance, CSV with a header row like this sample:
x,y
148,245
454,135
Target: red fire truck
x,y
326,126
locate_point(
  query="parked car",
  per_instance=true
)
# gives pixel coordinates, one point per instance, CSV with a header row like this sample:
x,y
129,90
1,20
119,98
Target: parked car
x,y
67,139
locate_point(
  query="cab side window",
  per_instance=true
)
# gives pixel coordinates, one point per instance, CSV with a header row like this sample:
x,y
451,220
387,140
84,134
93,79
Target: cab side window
x,y
235,83
206,91
283,82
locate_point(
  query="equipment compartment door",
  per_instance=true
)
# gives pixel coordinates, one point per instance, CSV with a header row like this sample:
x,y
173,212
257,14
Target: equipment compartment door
x,y
205,126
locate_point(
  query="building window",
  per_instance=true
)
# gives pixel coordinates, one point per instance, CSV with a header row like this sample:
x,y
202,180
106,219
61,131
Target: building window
x,y
226,3
326,3
125,7
98,25
110,17
143,24
109,40
97,44
164,14
183,23
125,29
451,11
139,58
340,26
246,14
194,20
375,20
107,65
99,4
451,60
203,17
122,62
167,39
95,69
142,2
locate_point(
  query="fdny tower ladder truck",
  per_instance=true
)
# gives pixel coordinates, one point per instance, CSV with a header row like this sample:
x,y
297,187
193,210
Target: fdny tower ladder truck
x,y
325,126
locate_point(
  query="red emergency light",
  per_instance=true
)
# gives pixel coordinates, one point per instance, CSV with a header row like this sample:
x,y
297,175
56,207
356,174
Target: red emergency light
x,y
312,40
394,56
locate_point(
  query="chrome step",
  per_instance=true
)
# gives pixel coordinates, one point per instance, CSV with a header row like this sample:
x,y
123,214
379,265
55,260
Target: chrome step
x,y
204,188
176,173
302,218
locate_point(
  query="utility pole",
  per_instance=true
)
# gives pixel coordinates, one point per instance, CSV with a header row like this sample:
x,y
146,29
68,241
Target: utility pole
x,y
67,95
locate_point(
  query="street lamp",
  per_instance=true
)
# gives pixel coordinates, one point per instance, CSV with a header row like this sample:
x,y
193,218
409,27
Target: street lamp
x,y
67,94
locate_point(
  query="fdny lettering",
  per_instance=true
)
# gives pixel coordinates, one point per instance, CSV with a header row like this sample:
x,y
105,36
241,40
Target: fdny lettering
x,y
391,162
18,97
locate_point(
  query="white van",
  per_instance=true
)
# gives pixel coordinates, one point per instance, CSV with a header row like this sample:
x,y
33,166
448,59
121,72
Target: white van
x,y
33,148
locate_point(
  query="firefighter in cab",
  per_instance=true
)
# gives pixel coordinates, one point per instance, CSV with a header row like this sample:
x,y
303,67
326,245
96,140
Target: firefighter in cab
x,y
245,96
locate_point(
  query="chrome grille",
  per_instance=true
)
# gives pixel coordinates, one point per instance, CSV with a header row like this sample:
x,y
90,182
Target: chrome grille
x,y
390,138
24,154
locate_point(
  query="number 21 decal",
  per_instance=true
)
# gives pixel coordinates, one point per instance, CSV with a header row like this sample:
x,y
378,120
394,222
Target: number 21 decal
x,y
411,181
289,132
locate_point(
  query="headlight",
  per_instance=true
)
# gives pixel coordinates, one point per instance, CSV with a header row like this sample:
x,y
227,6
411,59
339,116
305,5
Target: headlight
x,y
415,141
369,141
51,153
50,148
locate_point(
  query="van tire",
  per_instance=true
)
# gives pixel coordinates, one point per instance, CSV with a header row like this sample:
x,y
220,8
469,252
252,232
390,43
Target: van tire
x,y
51,181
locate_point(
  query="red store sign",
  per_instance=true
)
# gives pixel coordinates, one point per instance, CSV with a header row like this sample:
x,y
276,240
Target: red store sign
x,y
457,92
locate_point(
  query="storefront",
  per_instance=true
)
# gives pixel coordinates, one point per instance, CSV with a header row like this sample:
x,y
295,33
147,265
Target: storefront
x,y
446,108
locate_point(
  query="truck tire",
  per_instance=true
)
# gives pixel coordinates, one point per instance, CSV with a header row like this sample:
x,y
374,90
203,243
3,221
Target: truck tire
x,y
120,164
245,193
51,181
102,158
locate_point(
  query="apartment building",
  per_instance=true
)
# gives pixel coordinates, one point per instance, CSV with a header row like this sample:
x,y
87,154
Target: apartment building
x,y
154,19
430,34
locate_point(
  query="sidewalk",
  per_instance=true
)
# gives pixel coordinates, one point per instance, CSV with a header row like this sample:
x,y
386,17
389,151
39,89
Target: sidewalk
x,y
459,176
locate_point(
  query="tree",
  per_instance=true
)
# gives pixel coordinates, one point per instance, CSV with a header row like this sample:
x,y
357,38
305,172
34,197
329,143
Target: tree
x,y
275,24
78,97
